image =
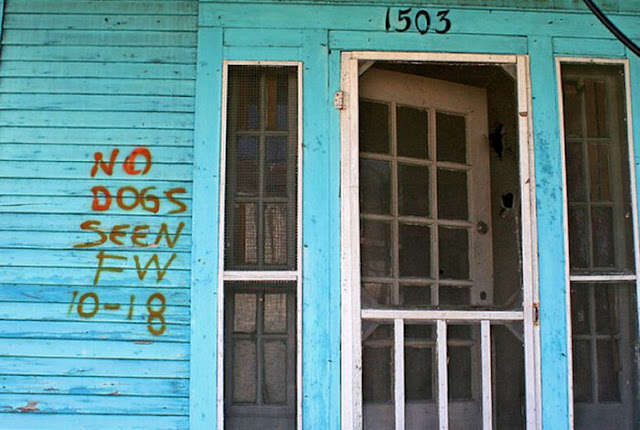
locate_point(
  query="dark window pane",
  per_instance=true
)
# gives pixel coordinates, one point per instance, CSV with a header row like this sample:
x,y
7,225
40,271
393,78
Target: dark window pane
x,y
275,234
377,360
246,234
275,313
245,101
454,296
452,195
578,238
277,102
582,390
244,371
413,190
276,166
412,132
244,313
573,119
459,372
375,248
375,187
600,175
374,295
580,310
415,296
453,245
451,137
602,236
414,333
577,191
374,127
414,243
418,373
247,166
275,372
608,368
595,108
606,309
459,332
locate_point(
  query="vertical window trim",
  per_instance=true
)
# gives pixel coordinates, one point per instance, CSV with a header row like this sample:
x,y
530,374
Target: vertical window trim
x,y
565,203
271,275
351,359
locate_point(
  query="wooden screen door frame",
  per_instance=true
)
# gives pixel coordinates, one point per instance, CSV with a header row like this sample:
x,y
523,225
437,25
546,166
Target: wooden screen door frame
x,y
351,390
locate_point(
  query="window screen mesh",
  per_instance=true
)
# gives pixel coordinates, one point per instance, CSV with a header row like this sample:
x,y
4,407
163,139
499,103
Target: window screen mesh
x,y
261,182
600,227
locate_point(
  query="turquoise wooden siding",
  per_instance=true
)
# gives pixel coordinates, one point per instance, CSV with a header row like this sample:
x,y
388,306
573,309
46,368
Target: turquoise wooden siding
x,y
84,77
79,78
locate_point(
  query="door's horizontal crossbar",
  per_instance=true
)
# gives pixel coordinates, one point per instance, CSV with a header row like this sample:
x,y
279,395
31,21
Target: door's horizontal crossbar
x,y
440,315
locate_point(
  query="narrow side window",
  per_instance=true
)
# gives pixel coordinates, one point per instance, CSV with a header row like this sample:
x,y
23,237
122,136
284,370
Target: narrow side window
x,y
601,247
260,247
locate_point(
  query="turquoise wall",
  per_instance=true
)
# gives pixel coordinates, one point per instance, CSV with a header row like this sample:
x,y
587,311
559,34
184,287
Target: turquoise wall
x,y
79,78
76,79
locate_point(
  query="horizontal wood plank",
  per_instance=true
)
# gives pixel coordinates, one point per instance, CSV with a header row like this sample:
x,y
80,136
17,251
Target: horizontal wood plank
x,y
49,240
38,293
79,69
82,330
20,421
82,170
81,276
64,223
157,87
113,21
93,349
87,258
37,118
88,404
48,312
79,366
96,136
97,102
98,38
83,385
102,7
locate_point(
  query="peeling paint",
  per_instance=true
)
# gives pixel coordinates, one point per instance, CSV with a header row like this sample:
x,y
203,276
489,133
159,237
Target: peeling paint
x,y
28,408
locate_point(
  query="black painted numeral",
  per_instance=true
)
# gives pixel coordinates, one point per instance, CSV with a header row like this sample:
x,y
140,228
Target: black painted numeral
x,y
420,20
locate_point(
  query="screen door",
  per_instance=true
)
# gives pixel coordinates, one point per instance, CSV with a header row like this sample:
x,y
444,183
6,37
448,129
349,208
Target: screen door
x,y
442,343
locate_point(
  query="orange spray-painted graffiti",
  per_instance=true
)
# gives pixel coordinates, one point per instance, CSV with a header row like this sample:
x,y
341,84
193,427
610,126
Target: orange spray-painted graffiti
x,y
130,236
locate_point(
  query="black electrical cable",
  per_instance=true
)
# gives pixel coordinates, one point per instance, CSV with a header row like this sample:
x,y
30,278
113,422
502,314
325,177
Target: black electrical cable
x,y
612,27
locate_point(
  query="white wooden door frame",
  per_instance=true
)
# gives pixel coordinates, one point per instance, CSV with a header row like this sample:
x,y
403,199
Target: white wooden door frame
x,y
350,232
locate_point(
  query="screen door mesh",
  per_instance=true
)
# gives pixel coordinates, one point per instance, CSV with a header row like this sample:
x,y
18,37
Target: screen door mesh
x,y
261,183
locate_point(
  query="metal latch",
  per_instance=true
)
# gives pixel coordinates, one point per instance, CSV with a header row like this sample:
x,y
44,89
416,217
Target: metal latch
x,y
536,313
338,100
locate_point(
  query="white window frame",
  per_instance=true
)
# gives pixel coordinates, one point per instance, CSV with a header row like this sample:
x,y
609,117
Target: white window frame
x,y
262,275
351,362
565,203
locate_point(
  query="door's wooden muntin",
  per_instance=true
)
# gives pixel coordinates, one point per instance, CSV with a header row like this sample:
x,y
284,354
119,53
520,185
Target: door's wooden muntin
x,y
634,205
266,275
350,216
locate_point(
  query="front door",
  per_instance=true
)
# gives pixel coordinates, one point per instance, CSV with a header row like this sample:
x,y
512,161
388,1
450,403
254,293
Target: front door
x,y
442,341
